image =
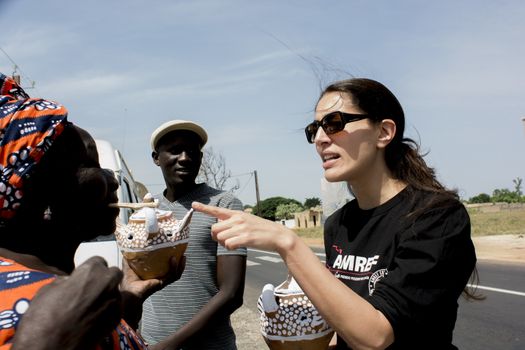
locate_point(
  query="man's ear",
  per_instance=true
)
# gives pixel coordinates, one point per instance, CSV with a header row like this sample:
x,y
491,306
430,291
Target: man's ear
x,y
155,156
387,131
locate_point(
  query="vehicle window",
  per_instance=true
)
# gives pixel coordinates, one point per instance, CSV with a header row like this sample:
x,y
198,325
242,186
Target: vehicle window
x,y
127,196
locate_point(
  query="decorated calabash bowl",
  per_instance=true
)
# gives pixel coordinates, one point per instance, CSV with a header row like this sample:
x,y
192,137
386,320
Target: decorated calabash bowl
x,y
289,321
151,238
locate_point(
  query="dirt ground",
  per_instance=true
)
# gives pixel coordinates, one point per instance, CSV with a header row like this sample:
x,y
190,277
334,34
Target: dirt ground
x,y
501,249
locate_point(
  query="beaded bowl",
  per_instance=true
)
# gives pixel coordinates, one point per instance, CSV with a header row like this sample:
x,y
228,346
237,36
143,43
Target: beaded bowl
x,y
151,238
289,321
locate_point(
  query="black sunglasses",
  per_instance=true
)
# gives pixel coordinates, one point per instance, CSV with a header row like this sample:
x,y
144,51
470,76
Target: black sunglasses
x,y
331,123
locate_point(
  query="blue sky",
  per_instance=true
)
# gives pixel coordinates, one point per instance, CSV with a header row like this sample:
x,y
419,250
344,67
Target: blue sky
x,y
250,72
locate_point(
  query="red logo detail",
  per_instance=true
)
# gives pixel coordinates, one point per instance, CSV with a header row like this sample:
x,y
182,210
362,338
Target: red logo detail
x,y
337,249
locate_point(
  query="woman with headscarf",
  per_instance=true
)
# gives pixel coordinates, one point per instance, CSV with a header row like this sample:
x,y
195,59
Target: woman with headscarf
x,y
53,196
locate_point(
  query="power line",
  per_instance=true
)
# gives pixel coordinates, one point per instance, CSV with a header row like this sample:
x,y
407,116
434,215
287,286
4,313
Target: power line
x,y
8,57
243,174
246,183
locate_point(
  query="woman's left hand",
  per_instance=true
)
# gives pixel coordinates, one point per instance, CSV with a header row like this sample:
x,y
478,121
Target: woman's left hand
x,y
135,290
142,289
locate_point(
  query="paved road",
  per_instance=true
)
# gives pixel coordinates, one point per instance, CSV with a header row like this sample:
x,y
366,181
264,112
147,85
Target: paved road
x,y
494,323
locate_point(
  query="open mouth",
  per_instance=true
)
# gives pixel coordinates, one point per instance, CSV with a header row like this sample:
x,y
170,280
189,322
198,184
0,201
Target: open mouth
x,y
183,171
326,157
330,157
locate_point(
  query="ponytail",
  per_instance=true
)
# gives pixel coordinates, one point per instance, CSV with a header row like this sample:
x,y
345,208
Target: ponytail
x,y
406,163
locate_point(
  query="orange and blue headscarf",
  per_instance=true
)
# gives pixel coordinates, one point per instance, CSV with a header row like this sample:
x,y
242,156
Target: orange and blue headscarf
x,y
28,128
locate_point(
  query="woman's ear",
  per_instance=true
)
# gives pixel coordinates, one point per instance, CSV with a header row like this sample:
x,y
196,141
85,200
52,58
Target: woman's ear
x,y
387,131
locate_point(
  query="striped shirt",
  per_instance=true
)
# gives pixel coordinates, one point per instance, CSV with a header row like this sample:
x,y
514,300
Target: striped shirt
x,y
169,309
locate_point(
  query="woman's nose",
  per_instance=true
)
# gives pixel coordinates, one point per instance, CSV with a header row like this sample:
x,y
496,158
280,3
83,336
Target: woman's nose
x,y
321,137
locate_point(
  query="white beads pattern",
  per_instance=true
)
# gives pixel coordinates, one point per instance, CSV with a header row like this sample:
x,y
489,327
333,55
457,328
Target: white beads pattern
x,y
296,317
133,234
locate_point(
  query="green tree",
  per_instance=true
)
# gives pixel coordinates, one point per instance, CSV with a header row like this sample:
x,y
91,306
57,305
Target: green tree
x,y
504,195
480,198
311,202
517,187
267,207
286,211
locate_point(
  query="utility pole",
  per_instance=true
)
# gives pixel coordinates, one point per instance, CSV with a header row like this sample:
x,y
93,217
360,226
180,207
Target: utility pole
x,y
15,76
257,191
18,79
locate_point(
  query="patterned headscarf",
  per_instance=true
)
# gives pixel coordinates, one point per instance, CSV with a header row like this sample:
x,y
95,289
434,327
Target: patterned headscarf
x,y
28,128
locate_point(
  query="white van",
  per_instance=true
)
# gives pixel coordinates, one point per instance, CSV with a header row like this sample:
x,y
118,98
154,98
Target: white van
x,y
106,246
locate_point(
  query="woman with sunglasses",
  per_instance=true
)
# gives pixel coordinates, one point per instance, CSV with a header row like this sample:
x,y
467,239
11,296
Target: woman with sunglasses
x,y
399,255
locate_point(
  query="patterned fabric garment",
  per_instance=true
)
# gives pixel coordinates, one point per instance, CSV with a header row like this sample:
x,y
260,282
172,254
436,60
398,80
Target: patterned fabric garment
x,y
28,127
19,285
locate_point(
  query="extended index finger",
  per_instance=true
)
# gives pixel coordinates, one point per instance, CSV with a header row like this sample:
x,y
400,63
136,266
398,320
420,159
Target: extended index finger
x,y
219,213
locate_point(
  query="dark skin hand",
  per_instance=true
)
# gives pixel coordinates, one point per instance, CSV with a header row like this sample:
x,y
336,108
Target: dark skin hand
x,y
95,304
230,280
74,311
135,290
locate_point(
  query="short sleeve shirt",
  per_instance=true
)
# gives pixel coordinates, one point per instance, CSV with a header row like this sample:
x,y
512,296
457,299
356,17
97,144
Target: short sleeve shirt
x,y
170,308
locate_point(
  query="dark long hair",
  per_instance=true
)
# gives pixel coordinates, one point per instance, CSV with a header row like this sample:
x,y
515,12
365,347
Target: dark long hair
x,y
402,154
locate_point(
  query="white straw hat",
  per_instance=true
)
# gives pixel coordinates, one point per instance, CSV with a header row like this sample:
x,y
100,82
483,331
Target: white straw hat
x,y
174,125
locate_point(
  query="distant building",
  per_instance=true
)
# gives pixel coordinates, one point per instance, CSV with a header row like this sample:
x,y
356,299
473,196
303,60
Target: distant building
x,y
290,223
309,218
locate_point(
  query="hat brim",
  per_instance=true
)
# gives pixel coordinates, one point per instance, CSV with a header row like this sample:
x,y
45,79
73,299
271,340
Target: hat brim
x,y
176,125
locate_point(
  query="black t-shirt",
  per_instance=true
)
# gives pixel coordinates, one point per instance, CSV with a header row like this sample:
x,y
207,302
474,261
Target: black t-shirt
x,y
410,258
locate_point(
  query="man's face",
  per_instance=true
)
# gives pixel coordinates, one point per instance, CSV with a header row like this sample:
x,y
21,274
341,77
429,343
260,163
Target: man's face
x,y
179,156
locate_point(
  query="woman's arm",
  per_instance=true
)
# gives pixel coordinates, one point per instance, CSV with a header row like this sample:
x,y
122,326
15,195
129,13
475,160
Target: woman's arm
x,y
135,290
353,318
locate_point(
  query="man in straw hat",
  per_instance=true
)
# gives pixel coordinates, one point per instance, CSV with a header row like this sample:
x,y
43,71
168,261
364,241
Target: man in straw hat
x,y
194,312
